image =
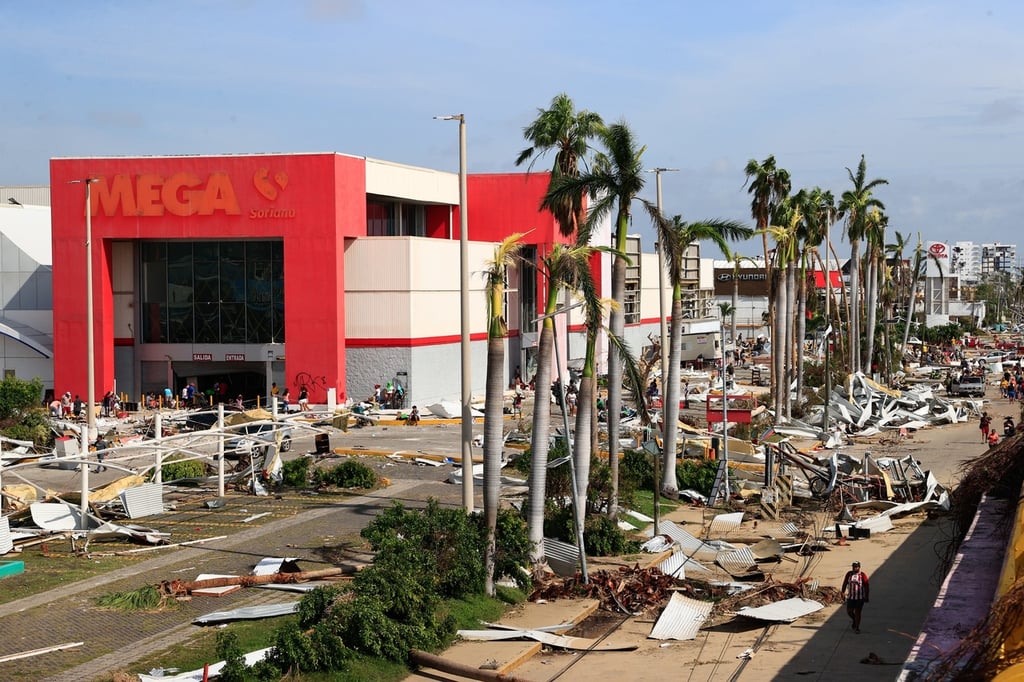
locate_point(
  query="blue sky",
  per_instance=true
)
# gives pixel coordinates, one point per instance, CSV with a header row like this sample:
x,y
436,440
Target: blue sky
x,y
931,92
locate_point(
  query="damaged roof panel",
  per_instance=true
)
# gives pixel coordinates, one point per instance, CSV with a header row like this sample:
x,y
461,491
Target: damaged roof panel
x,y
681,619
785,611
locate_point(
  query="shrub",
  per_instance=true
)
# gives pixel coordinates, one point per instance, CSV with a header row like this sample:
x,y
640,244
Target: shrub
x,y
448,544
177,468
698,474
18,396
350,474
295,472
603,537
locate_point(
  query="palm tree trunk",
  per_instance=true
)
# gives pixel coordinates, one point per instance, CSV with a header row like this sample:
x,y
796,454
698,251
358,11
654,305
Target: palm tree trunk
x,y
854,306
801,331
792,344
670,407
539,442
779,350
872,312
584,404
493,422
617,324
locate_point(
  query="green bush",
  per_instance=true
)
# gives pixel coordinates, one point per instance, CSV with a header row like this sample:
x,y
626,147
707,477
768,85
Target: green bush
x,y
18,396
698,474
638,467
603,537
447,542
350,474
176,468
295,472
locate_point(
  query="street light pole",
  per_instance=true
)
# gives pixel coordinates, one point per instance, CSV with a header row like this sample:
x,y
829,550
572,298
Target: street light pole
x,y
90,362
661,283
467,415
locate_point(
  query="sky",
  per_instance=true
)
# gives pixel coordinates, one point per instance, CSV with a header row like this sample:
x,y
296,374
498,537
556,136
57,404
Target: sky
x,y
930,92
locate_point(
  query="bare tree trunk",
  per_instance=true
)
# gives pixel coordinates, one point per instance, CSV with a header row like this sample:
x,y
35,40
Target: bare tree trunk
x,y
792,344
855,301
494,419
670,408
617,325
539,442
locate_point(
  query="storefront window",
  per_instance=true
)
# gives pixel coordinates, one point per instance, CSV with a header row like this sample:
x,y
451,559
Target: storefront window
x,y
212,292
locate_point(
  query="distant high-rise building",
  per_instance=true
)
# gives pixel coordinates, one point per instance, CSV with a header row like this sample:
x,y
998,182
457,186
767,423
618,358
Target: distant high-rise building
x,y
998,258
970,261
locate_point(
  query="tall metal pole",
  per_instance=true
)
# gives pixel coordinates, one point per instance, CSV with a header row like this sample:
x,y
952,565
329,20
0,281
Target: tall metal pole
x,y
467,416
828,317
661,282
725,414
90,360
467,386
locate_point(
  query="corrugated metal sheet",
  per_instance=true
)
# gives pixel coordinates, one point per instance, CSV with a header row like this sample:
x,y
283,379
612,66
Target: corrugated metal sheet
x,y
54,516
784,531
563,558
677,565
249,613
691,546
876,524
785,611
738,562
681,619
723,523
143,500
6,543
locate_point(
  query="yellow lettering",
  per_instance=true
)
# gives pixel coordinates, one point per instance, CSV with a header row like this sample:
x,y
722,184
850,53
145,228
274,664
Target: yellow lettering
x,y
109,194
219,196
178,202
148,194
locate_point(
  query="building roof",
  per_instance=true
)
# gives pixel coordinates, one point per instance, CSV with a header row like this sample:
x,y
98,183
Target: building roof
x,y
28,227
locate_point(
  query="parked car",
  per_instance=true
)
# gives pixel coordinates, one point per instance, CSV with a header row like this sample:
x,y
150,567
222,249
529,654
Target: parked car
x,y
969,386
254,438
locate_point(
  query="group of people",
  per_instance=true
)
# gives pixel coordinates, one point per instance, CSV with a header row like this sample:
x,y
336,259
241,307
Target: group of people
x,y
989,435
391,396
1011,386
67,407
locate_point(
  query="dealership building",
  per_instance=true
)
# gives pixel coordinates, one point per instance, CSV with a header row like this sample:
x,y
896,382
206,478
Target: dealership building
x,y
325,271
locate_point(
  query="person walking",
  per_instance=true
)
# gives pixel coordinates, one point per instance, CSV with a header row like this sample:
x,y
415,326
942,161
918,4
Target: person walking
x,y
985,426
304,400
856,592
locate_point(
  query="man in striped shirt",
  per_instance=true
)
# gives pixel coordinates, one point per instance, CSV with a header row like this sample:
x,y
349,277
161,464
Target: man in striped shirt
x,y
856,592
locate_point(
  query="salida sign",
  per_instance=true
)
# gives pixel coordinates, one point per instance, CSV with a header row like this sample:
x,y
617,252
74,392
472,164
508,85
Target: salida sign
x,y
184,194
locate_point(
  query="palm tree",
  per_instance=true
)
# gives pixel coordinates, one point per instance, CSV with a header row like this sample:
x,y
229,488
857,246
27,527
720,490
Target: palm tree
x,y
817,207
562,269
676,237
782,342
497,329
875,234
560,127
855,204
768,185
613,184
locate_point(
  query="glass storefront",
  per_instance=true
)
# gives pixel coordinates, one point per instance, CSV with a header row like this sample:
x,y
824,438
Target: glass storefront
x,y
212,291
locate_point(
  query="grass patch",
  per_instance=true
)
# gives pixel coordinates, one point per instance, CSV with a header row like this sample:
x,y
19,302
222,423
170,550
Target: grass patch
x,y
643,502
44,573
201,648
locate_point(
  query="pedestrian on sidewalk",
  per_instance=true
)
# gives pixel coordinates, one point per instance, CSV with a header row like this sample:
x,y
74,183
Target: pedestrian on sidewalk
x,y
856,592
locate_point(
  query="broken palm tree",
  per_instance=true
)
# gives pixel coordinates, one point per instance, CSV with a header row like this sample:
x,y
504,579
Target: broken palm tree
x,y
157,596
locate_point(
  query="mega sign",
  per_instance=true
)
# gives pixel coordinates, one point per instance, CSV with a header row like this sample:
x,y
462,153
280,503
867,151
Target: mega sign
x,y
184,194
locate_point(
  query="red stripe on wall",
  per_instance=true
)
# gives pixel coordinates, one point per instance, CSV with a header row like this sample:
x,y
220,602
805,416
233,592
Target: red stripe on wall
x,y
411,343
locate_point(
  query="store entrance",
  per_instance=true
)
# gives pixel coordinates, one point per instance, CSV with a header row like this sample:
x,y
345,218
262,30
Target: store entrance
x,y
216,382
